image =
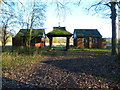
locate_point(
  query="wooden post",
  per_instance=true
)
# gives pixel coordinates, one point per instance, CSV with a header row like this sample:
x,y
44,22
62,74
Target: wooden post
x,y
67,43
13,41
50,42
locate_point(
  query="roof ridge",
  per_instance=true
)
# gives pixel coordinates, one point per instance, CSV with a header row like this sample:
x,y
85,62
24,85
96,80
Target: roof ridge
x,y
87,33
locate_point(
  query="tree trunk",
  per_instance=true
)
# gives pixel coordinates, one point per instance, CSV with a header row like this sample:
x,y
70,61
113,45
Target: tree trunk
x,y
113,17
4,37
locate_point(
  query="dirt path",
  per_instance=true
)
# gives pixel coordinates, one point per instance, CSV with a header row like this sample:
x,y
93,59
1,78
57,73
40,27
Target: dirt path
x,y
69,70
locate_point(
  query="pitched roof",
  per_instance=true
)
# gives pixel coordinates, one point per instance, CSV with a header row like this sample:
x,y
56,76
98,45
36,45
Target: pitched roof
x,y
87,33
35,32
59,31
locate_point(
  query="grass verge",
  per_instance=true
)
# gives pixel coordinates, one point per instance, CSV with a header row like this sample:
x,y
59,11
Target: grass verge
x,y
89,49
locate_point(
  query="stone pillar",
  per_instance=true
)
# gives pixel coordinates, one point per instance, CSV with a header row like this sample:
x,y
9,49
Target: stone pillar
x,y
90,42
67,43
50,42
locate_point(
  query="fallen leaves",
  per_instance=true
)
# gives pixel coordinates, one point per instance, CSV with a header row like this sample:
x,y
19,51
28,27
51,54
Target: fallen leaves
x,y
72,70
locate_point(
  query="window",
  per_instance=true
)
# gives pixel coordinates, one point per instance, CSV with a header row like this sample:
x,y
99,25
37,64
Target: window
x,y
94,40
85,40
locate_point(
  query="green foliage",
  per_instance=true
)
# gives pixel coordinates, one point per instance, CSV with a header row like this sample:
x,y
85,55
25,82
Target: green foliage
x,y
10,60
59,32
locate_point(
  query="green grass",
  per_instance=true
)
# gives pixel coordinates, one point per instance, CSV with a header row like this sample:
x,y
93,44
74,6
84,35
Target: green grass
x,y
89,49
59,32
16,58
19,57
15,61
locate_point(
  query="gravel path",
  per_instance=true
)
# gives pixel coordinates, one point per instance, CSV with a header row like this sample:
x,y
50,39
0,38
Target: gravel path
x,y
69,70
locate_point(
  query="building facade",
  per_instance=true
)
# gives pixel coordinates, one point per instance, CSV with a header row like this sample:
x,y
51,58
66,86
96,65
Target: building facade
x,y
38,38
88,38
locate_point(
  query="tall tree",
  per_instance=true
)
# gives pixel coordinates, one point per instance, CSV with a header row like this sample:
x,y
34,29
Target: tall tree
x,y
28,15
32,18
113,17
110,5
5,35
7,17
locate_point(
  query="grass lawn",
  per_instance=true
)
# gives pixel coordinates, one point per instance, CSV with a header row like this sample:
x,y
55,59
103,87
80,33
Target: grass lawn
x,y
15,58
89,49
75,68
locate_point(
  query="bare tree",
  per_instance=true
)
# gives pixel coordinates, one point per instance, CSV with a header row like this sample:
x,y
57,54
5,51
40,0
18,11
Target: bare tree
x,y
32,18
61,9
7,17
0,2
27,15
110,6
5,35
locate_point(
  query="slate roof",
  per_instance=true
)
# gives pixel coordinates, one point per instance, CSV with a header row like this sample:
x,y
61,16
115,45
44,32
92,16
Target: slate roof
x,y
59,31
87,33
35,32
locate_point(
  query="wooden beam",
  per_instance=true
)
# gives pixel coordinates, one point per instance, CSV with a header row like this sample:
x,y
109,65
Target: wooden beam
x,y
50,42
67,43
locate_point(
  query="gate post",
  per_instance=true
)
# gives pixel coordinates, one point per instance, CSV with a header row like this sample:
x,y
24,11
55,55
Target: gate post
x,y
50,42
67,43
